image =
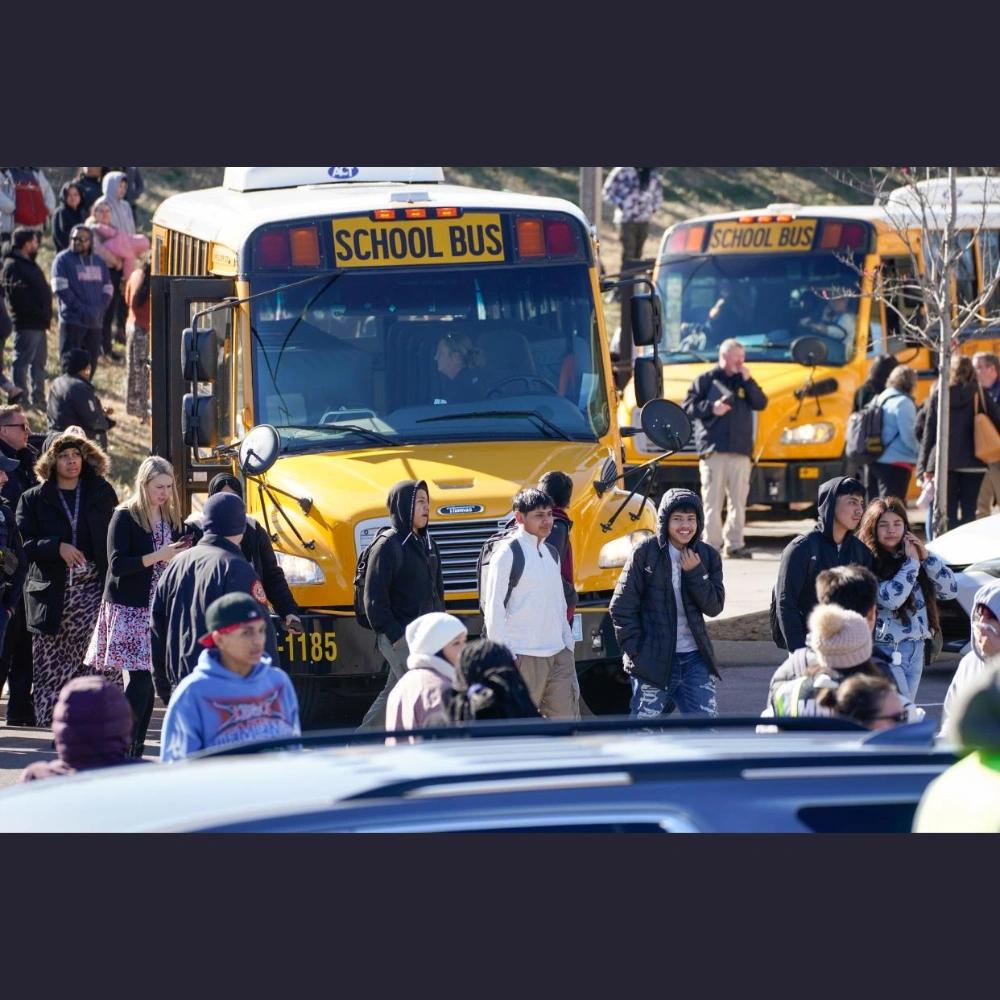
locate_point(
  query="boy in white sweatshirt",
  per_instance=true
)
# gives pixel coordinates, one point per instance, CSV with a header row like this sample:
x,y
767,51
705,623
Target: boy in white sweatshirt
x,y
533,624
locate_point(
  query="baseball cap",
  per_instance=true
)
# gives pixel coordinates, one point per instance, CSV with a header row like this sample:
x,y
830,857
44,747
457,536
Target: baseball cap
x,y
8,464
228,613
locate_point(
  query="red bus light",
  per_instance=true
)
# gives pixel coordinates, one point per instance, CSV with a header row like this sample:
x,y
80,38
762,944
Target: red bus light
x,y
273,249
446,213
677,241
415,213
559,238
385,214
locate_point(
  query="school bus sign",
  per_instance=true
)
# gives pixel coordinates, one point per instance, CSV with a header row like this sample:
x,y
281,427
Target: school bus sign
x,y
762,237
473,238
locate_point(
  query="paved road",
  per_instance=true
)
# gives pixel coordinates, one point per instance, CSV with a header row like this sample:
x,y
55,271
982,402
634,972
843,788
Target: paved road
x,y
746,666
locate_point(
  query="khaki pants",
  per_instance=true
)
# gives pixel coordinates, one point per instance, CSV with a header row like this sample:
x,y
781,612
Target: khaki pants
x,y
552,683
725,474
989,492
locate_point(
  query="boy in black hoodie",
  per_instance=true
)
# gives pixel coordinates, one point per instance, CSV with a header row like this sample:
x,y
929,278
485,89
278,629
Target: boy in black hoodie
x,y
658,611
403,581
840,503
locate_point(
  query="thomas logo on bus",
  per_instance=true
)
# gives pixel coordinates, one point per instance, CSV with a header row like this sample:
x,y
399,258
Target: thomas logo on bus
x,y
762,237
473,238
343,173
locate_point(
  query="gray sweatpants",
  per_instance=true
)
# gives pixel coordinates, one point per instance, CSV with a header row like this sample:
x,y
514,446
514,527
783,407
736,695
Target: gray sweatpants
x,y
396,658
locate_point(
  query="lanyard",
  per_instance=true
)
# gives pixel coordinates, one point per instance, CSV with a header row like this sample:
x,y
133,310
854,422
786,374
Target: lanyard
x,y
74,518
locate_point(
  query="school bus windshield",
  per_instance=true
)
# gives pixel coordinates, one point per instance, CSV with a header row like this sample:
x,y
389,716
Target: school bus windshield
x,y
766,301
405,357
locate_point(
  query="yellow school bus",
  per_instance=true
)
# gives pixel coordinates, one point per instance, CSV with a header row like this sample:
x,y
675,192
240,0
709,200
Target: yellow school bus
x,y
793,281
331,303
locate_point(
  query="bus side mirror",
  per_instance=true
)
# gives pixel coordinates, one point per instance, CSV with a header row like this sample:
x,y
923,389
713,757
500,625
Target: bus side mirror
x,y
648,380
198,422
199,348
645,319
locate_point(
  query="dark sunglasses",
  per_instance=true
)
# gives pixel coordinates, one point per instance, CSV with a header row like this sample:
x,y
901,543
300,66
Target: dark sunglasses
x,y
23,427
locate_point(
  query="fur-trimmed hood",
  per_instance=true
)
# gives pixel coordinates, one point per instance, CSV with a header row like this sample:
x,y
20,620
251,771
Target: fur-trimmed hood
x,y
94,458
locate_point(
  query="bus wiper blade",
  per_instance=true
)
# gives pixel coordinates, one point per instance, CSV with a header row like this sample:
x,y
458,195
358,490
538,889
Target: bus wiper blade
x,y
694,354
544,422
354,428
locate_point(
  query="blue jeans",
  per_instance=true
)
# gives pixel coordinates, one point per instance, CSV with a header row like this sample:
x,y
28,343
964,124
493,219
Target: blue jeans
x,y
907,672
691,690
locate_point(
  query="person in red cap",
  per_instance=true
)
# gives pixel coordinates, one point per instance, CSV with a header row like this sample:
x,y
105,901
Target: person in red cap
x,y
234,695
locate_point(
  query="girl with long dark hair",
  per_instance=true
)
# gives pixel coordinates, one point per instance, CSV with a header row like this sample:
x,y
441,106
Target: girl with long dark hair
x,y
911,582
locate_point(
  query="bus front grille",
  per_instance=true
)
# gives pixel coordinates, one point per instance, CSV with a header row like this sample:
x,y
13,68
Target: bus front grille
x,y
459,543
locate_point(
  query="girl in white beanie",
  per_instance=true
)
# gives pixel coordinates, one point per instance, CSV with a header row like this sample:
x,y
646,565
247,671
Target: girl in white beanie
x,y
841,642
420,699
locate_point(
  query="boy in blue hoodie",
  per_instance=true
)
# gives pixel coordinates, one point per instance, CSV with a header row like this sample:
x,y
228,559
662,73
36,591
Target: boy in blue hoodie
x,y
234,695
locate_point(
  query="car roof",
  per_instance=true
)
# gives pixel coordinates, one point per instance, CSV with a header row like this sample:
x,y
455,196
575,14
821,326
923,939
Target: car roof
x,y
201,793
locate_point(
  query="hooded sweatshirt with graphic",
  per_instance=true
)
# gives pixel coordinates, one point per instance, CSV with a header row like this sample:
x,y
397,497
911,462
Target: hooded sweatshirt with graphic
x,y
121,211
404,579
214,707
973,666
655,597
82,286
808,555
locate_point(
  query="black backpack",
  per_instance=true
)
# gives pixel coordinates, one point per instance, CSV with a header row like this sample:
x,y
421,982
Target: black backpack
x,y
864,433
505,533
777,636
359,576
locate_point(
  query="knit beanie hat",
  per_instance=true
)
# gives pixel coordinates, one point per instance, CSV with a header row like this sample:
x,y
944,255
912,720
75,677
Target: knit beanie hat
x,y
224,515
221,481
91,723
430,633
840,639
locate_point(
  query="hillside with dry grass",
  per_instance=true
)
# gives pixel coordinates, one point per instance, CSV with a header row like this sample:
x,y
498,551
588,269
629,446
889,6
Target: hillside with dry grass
x,y
688,191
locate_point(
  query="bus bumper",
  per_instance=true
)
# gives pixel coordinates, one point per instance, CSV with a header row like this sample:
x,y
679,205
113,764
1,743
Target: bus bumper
x,y
334,646
771,483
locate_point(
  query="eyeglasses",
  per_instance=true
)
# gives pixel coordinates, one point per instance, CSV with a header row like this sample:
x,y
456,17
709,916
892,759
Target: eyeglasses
x,y
22,427
902,716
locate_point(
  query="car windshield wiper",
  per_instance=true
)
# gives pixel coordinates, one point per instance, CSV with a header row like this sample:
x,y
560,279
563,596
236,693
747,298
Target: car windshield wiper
x,y
544,422
694,354
352,428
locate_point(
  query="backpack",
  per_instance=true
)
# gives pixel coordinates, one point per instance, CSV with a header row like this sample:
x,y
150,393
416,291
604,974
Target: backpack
x,y
864,433
486,553
30,201
361,571
777,636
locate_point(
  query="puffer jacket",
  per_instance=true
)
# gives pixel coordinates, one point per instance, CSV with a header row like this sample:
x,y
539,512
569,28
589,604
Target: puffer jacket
x,y
404,579
644,609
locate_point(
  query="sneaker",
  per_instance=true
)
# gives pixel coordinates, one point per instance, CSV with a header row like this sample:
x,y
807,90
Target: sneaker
x,y
741,553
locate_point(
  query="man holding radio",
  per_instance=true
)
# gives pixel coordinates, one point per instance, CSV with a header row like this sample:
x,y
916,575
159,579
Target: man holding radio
x,y
720,404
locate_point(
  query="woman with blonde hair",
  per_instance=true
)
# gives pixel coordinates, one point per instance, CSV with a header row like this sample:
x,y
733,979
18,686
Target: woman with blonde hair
x,y
140,543
64,525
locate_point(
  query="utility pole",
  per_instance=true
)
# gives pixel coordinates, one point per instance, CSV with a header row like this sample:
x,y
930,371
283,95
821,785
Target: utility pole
x,y
590,193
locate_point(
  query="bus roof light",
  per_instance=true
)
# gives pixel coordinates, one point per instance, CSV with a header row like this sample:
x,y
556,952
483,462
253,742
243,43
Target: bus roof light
x,y
677,241
559,238
415,213
765,218
446,213
853,236
273,249
305,246
695,239
385,214
783,218
530,238
831,236
745,219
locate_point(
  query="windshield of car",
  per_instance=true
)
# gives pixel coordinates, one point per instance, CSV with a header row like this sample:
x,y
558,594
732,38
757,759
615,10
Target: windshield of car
x,y
765,301
508,352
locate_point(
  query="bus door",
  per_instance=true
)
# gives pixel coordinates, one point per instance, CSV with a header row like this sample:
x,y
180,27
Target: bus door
x,y
896,272
174,302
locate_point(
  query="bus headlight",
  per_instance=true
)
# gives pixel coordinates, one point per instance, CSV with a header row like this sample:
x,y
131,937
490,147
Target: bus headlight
x,y
298,570
808,434
616,553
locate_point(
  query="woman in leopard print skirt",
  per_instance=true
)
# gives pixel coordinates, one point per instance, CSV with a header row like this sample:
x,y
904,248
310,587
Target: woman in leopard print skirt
x,y
64,523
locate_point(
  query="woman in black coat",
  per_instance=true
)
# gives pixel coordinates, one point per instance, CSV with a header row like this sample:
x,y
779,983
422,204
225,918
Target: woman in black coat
x,y
145,534
64,524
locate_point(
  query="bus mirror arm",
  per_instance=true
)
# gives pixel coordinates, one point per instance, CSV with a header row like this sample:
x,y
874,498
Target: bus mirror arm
x,y
645,481
263,488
